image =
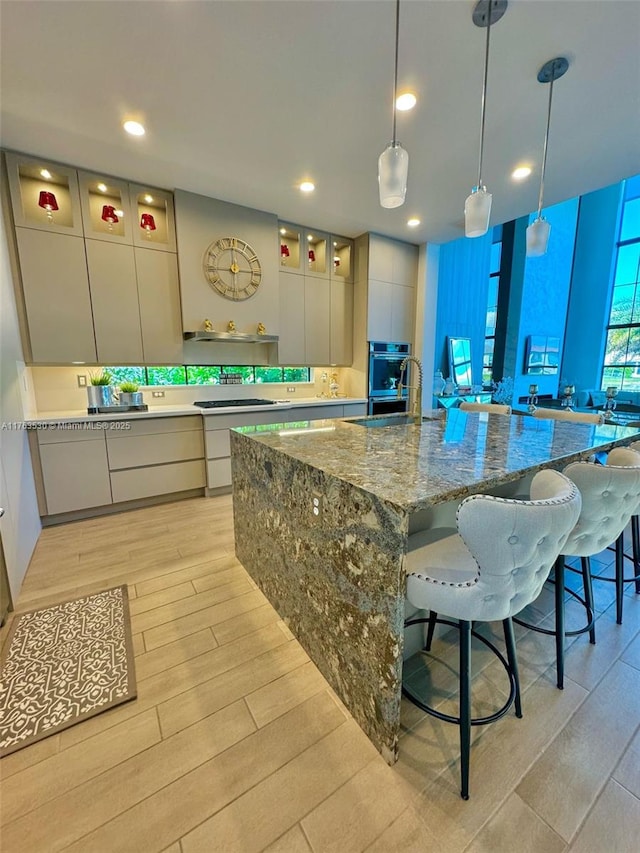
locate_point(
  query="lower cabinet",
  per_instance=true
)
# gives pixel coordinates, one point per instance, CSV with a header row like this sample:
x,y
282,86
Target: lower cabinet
x,y
156,456
75,471
218,444
84,466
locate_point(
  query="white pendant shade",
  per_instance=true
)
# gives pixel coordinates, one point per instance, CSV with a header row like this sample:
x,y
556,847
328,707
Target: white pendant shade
x,y
477,210
538,237
393,168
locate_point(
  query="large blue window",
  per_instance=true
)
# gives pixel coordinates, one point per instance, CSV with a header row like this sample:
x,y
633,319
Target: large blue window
x,y
622,355
492,308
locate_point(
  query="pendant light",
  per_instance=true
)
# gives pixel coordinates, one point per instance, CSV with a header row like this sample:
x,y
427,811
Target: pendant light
x,y
538,231
393,163
477,207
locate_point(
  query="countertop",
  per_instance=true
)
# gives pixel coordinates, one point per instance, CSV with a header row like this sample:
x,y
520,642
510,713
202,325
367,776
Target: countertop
x,y
171,411
450,455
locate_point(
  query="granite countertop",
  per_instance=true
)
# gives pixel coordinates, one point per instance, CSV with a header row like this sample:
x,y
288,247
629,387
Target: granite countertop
x,y
450,455
168,411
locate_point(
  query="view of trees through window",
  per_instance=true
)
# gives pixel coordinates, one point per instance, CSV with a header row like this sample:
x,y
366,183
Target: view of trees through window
x,y
622,355
194,374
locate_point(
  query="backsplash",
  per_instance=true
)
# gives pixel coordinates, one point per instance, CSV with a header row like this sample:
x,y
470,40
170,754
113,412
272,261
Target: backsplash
x,y
55,389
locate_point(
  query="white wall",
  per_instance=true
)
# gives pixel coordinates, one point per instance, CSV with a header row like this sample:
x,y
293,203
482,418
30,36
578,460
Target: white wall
x,y
20,525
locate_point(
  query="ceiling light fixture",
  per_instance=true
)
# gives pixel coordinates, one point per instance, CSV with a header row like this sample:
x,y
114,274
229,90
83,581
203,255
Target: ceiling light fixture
x,y
413,223
307,187
406,101
521,173
134,128
477,207
539,230
102,188
393,163
148,199
46,174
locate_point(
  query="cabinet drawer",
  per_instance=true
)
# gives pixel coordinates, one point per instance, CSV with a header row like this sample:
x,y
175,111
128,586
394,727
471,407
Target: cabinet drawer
x,y
75,475
158,480
136,451
74,432
150,426
312,413
218,473
353,409
217,443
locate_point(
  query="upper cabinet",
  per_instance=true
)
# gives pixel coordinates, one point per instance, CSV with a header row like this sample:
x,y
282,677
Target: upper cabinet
x,y
91,288
306,251
392,271
120,212
44,195
106,214
154,224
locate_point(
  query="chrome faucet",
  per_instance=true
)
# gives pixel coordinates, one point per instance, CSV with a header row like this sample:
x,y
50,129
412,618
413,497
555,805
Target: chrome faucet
x,y
416,410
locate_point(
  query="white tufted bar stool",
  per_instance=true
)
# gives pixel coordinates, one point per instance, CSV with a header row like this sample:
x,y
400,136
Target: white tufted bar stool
x,y
569,415
494,408
625,456
610,493
489,570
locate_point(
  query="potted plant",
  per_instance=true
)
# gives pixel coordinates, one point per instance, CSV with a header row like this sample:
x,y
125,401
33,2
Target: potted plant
x,y
129,394
99,390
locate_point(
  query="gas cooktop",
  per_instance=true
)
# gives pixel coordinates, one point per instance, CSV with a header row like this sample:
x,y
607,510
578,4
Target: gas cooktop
x,y
223,404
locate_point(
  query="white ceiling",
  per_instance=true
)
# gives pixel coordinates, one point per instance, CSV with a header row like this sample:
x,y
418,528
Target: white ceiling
x,y
243,100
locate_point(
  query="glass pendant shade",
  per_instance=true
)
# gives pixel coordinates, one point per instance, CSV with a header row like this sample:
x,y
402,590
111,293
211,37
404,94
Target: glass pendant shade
x,y
538,237
109,214
477,210
393,168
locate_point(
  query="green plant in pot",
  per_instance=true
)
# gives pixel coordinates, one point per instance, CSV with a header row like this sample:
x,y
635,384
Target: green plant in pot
x,y
129,394
99,390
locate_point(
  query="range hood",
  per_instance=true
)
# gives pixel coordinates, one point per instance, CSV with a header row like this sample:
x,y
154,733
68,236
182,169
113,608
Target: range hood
x,y
230,337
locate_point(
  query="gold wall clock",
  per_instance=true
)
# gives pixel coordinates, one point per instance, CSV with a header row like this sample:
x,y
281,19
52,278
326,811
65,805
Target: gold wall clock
x,y
232,268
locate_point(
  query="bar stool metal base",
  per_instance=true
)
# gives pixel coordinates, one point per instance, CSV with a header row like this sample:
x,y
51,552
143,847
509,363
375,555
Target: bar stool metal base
x,y
465,720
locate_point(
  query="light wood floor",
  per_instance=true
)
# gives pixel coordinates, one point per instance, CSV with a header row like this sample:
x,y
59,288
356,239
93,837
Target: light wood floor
x,y
237,744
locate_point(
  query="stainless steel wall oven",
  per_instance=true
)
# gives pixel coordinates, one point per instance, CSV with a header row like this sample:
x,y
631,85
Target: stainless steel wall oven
x,y
384,374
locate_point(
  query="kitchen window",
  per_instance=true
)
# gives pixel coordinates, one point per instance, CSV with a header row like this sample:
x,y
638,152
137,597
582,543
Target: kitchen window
x,y
194,374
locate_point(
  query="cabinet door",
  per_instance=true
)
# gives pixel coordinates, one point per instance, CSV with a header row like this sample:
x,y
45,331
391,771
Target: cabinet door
x,y
317,320
114,296
380,258
341,344
159,298
342,257
379,304
402,312
75,475
292,320
56,295
29,180
106,214
158,231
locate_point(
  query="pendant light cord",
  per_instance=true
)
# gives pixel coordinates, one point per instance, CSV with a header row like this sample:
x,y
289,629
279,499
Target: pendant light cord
x,y
546,142
395,73
484,95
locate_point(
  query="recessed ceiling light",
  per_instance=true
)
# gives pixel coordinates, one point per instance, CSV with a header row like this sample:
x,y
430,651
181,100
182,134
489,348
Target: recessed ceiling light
x,y
307,187
413,223
406,101
521,173
283,231
46,174
102,188
134,128
148,198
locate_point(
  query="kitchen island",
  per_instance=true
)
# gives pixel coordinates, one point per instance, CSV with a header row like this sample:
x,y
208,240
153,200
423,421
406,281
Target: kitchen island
x,y
322,516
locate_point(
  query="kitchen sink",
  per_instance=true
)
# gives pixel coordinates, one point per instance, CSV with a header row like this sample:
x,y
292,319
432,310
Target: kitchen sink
x,y
389,421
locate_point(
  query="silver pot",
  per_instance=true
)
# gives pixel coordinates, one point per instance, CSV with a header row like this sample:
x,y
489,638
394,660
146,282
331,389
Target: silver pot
x,y
131,398
100,396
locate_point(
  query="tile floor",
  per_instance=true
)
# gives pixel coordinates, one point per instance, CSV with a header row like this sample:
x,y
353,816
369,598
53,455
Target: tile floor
x,y
237,744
